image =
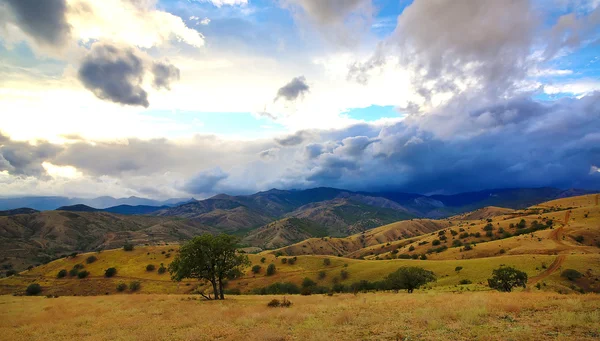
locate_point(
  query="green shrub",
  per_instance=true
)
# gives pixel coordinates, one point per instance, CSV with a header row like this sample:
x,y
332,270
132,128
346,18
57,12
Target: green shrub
x,y
33,289
283,260
571,274
488,227
162,269
307,282
73,272
464,235
411,248
134,285
322,274
579,239
11,272
256,269
468,247
110,272
404,256
262,260
465,281
91,259
150,267
344,274
274,303
78,266
435,242
271,270
423,257
121,286
278,288
458,268
62,273
128,247
327,262
83,274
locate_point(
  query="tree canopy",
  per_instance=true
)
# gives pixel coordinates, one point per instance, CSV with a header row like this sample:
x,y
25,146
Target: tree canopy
x,y
506,278
409,278
209,258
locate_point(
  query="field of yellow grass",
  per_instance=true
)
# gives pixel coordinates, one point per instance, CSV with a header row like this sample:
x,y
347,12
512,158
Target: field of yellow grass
x,y
419,316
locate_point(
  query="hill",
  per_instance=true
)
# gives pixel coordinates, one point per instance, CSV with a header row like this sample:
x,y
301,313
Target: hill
x,y
29,239
132,210
23,210
78,208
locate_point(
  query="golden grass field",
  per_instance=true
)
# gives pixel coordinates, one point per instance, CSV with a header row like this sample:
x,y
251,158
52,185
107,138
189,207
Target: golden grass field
x,y
381,316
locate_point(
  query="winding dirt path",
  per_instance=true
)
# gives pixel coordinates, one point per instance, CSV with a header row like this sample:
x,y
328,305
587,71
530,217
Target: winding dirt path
x,y
556,264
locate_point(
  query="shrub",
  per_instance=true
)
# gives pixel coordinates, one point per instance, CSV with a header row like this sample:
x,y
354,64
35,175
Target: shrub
x,y
571,274
11,272
502,251
322,274
404,256
468,247
91,259
278,288
457,243
435,242
150,267
110,272
505,278
465,281
62,273
121,286
78,266
409,278
256,269
167,255
292,261
464,235
423,257
162,269
307,283
262,260
344,274
453,233
128,247
579,239
327,262
73,272
411,248
134,285
274,303
283,260
232,291
271,270
33,289
458,268
522,224
443,237
489,234
83,274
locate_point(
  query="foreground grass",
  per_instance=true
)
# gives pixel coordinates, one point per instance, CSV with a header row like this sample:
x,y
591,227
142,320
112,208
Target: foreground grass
x,y
382,316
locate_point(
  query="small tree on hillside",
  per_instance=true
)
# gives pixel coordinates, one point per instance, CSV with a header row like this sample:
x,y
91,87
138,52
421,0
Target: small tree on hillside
x,y
506,278
409,278
271,269
209,258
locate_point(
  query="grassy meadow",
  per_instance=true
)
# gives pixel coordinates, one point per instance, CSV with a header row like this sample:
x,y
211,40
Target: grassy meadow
x,y
382,316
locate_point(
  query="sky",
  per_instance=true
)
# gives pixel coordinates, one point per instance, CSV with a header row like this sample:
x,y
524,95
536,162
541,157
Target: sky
x,y
190,98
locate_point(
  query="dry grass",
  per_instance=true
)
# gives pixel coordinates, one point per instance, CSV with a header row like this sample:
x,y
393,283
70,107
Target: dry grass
x,y
419,316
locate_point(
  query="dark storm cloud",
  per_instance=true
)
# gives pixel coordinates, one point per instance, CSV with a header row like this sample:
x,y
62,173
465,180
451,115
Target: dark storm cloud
x,y
44,20
205,182
164,74
117,73
297,87
22,158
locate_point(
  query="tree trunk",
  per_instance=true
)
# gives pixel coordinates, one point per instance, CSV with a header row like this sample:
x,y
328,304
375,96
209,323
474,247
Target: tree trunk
x,y
215,290
221,288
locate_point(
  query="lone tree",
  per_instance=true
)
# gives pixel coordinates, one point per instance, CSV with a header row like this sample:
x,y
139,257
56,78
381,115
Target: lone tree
x,y
409,278
506,278
209,258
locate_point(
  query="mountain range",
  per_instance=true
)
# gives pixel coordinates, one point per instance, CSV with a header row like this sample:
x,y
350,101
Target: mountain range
x,y
267,220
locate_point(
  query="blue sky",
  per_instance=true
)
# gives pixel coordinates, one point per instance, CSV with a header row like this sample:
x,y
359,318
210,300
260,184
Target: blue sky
x,y
245,95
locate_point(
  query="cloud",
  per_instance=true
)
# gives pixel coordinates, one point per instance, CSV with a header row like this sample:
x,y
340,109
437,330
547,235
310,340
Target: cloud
x,y
205,182
292,140
220,3
164,74
25,159
116,73
269,154
297,87
45,21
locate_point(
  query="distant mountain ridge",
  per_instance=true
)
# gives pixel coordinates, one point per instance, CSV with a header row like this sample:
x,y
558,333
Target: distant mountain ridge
x,y
47,203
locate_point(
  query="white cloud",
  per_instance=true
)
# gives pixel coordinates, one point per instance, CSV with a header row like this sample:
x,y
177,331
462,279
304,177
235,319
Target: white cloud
x,y
220,3
578,87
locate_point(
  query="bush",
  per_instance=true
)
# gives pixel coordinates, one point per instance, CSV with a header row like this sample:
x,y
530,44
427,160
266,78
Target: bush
x,y
33,289
411,248
11,272
457,243
134,285
276,303
435,242
326,262
150,267
307,283
322,274
232,291
404,256
506,278
128,247
579,239
423,257
262,260
62,273
571,274
256,269
73,272
458,268
110,272
488,227
465,281
78,266
162,269
464,235
83,274
91,259
344,274
271,270
278,288
468,247
522,224
121,286
283,260
292,261
409,278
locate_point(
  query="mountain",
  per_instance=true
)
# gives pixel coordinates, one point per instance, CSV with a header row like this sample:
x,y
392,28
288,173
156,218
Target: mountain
x,y
27,239
131,210
53,202
23,210
78,208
